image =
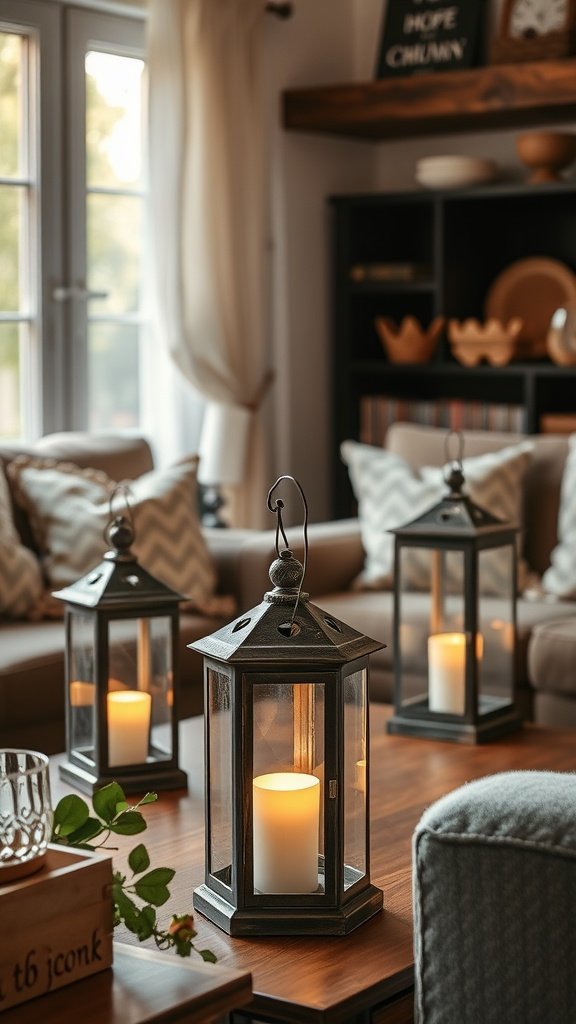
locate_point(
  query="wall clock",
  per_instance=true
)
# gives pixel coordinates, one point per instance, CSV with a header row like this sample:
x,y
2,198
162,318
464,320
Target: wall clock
x,y
535,30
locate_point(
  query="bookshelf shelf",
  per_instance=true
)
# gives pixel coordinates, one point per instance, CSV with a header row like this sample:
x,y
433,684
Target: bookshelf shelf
x,y
465,239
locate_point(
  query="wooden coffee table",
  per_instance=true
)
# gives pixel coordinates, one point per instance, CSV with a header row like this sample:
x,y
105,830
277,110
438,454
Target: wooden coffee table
x,y
366,976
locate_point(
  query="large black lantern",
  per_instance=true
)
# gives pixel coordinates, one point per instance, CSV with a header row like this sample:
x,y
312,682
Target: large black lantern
x,y
455,621
287,766
121,674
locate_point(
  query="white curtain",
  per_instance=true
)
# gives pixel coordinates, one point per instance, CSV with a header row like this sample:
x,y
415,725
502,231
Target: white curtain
x,y
209,208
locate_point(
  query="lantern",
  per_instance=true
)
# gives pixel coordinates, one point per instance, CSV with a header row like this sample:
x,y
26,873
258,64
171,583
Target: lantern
x,y
121,674
287,765
455,621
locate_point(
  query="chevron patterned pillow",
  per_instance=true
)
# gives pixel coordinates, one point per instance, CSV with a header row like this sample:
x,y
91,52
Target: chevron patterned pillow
x,y
560,578
389,493
20,574
68,508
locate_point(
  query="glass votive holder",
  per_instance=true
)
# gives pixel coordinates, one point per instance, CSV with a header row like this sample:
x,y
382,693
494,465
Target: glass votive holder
x,y
25,812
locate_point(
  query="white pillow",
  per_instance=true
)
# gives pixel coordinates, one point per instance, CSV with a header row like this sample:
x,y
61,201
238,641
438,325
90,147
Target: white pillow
x,y
560,578
69,508
390,493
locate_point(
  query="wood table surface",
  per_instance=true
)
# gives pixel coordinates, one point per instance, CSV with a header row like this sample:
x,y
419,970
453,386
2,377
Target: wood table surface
x,y
329,980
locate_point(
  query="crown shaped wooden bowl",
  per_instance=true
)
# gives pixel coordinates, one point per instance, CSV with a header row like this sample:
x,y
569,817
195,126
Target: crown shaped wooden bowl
x,y
493,340
409,341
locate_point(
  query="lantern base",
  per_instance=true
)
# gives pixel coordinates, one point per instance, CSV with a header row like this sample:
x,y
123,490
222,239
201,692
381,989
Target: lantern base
x,y
287,920
131,782
456,731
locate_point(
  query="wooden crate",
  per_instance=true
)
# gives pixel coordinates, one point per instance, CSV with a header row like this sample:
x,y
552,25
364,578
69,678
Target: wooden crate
x,y
56,925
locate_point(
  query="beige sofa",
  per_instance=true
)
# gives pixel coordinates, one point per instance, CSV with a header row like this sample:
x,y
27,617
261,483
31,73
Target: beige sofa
x,y
31,653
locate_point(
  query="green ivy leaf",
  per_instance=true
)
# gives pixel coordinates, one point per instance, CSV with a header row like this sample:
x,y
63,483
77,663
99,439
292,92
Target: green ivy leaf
x,y
153,887
129,824
70,814
128,911
89,830
105,801
138,859
208,956
150,798
147,923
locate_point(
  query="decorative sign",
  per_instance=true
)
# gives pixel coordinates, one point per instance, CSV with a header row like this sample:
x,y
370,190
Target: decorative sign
x,y
429,35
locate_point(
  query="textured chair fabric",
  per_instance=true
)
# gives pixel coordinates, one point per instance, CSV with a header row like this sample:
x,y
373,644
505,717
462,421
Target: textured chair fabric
x,y
495,902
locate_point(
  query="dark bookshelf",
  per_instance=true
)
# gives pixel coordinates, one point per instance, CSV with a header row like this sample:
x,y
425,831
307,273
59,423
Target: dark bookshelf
x,y
465,239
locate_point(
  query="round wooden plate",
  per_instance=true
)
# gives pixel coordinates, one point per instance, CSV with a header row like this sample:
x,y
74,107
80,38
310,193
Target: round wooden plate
x,y
533,289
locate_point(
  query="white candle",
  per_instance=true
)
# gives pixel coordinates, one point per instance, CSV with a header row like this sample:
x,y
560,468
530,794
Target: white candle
x,y
128,726
286,812
446,672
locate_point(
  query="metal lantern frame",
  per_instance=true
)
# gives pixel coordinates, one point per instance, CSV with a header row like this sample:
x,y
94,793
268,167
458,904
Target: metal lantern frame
x,y
119,589
456,524
293,647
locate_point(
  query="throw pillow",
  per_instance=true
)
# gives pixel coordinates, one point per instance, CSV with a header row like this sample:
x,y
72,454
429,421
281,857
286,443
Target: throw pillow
x,y
21,582
389,493
69,508
560,578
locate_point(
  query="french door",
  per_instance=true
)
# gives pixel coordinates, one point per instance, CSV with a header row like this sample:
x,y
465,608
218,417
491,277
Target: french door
x,y
72,224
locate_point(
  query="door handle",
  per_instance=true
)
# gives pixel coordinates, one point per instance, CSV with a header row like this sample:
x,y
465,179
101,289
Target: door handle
x,y
62,293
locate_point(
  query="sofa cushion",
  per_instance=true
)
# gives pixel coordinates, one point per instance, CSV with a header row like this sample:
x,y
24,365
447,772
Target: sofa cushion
x,y
69,509
390,493
20,574
560,577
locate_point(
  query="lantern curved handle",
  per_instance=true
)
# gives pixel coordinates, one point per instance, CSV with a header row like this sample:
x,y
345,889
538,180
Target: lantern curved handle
x,y
124,491
277,507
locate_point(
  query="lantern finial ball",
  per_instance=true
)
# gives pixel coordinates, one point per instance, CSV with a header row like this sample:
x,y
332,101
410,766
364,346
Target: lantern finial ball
x,y
286,572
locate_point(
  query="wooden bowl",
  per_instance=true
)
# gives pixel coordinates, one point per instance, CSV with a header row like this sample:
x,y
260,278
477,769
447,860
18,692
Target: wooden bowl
x,y
495,341
409,342
546,154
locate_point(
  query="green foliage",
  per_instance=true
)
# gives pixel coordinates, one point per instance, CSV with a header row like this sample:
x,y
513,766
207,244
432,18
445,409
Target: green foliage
x,y
74,826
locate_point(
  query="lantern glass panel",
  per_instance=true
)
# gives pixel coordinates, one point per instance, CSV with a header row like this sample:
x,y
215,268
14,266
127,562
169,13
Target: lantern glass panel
x,y
288,786
140,690
81,685
496,629
220,776
355,688
430,590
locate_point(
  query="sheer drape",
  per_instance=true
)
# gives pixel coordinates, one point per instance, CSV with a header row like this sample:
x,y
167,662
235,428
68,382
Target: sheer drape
x,y
208,208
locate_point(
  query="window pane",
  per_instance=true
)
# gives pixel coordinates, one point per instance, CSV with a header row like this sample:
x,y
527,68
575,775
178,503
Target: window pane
x,y
10,412
11,47
113,120
115,246
11,199
113,375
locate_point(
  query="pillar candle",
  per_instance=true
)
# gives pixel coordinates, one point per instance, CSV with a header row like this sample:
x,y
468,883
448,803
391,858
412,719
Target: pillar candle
x,y
286,809
128,726
446,672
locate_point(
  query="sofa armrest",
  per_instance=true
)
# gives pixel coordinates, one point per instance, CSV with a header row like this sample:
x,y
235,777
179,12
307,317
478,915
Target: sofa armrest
x,y
243,558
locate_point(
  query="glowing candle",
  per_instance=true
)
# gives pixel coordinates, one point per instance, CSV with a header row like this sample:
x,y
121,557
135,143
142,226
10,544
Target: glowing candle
x,y
81,694
360,780
446,672
128,726
285,817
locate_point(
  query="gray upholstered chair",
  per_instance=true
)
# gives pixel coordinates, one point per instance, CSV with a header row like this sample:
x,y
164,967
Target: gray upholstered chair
x,y
495,902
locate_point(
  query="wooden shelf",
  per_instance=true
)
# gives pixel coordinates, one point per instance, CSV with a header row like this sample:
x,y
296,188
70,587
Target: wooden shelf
x,y
497,96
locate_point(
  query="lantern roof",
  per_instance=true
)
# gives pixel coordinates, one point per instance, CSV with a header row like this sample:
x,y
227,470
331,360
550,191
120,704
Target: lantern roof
x,y
457,515
119,582
286,627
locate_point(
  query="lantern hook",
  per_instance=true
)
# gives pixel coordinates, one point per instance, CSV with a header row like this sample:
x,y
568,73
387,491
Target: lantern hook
x,y
277,507
454,475
126,517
